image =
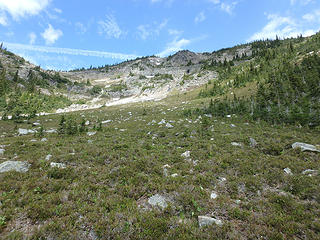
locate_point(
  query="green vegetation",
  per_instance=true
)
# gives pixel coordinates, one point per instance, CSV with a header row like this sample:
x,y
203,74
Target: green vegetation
x,y
118,157
117,87
287,85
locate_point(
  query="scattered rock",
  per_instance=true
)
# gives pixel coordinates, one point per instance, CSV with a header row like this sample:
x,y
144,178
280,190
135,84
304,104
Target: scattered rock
x,y
213,195
36,124
158,201
22,131
48,157
305,147
106,121
186,154
310,172
1,151
168,125
206,221
91,133
44,140
208,115
14,166
33,140
162,122
228,116
174,175
287,171
253,143
236,144
87,123
58,165
232,125
51,131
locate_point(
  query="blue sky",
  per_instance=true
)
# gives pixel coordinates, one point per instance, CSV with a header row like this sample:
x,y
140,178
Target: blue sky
x,y
68,34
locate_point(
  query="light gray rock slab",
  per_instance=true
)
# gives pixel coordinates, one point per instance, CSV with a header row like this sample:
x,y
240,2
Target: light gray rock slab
x,y
48,157
305,147
91,133
236,144
168,125
186,154
23,131
253,143
207,221
1,151
58,165
310,172
158,201
287,171
14,166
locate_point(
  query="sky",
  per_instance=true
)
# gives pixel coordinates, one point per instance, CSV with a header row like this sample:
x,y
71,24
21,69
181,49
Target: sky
x,y
70,34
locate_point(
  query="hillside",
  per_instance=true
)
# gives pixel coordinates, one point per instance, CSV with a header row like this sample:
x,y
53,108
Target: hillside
x,y
229,151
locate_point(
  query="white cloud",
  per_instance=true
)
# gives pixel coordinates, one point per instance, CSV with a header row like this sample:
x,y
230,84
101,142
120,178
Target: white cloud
x,y
22,8
175,32
51,35
81,29
313,16
32,38
57,10
174,46
68,51
200,17
167,2
224,6
303,2
3,19
110,28
283,27
151,30
228,7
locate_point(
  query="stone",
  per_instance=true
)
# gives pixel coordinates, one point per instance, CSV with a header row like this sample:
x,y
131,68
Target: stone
x,y
44,140
14,166
48,157
208,115
58,165
91,133
305,147
36,124
87,123
106,121
213,195
287,171
158,201
310,172
207,221
22,131
186,154
168,125
1,151
253,143
162,122
232,125
174,175
236,144
51,131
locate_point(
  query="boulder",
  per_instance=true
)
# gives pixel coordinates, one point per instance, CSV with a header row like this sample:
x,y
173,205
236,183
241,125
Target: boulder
x,y
213,195
158,201
305,147
22,131
186,154
287,171
91,133
253,143
58,165
14,166
207,221
168,125
48,157
310,172
1,151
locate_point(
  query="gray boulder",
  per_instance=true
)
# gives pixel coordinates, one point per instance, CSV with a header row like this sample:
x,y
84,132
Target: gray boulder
x,y
1,151
58,165
207,221
253,143
305,147
22,131
158,201
14,166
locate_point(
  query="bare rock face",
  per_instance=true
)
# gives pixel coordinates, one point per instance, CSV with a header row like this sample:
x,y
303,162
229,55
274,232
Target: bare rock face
x,y
14,166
